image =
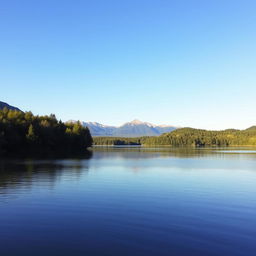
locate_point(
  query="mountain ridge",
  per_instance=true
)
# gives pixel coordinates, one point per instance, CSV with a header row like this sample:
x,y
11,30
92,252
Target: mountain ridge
x,y
135,128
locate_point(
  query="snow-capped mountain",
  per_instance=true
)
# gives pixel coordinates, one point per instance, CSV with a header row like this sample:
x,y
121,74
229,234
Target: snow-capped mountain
x,y
98,129
135,128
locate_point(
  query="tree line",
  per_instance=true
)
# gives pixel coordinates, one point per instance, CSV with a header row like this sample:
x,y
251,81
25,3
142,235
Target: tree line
x,y
110,141
23,131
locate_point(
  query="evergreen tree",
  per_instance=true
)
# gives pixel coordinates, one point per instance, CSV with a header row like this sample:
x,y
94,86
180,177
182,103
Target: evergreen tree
x,y
21,131
31,137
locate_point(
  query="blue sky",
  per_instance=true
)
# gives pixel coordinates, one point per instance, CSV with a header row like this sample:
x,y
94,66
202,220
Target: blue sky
x,y
188,63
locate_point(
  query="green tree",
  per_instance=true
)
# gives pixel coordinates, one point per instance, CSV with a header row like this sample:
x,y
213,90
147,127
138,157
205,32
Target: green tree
x,y
31,134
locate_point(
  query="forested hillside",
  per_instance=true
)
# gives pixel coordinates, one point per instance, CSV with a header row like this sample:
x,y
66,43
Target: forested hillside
x,y
190,137
197,137
21,132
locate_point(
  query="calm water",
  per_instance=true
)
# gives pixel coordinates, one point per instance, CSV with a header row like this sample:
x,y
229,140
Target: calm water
x,y
130,201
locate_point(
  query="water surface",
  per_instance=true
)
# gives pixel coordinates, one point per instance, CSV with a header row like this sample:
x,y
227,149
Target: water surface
x,y
130,201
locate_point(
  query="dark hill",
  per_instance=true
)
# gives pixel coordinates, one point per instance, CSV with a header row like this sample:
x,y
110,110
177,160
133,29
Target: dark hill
x,y
5,105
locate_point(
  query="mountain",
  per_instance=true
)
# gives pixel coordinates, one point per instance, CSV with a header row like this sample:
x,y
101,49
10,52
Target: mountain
x,y
5,105
98,129
165,128
135,128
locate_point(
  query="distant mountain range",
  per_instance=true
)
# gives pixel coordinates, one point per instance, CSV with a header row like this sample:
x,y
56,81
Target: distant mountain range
x,y
5,105
135,128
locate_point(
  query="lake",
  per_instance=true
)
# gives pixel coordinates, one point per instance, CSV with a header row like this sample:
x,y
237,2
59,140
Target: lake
x,y
130,201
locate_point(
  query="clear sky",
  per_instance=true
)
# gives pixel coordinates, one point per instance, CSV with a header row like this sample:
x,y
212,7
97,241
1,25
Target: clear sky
x,y
188,63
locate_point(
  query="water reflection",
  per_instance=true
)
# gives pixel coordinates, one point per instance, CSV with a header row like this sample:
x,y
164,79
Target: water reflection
x,y
129,201
182,152
24,173
139,158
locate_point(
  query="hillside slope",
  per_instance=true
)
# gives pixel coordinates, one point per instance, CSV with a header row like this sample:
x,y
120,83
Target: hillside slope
x,y
5,105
